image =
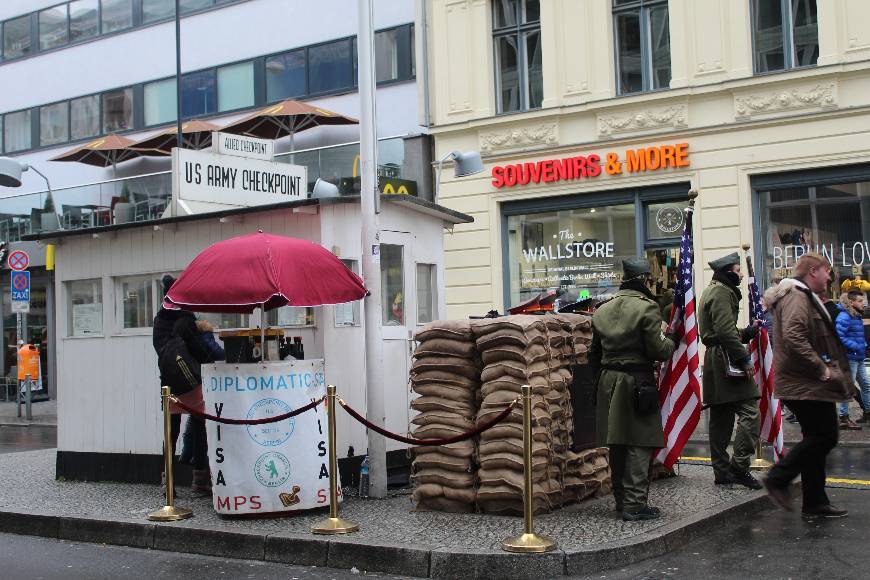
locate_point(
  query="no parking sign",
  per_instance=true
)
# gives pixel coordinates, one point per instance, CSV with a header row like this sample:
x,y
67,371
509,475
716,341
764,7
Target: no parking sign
x,y
20,288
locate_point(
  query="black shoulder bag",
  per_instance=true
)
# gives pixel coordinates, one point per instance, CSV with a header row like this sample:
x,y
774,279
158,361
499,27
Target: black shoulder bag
x,y
178,369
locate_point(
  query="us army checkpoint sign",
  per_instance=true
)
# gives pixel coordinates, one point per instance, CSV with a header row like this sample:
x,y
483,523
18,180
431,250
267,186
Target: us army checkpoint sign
x,y
272,467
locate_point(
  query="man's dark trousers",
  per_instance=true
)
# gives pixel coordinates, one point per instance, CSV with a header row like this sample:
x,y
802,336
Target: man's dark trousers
x,y
818,421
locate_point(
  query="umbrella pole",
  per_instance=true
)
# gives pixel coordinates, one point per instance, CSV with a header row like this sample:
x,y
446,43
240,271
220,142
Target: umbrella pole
x,y
263,332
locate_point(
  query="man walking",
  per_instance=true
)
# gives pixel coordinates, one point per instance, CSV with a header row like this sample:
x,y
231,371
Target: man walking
x,y
810,369
627,339
728,396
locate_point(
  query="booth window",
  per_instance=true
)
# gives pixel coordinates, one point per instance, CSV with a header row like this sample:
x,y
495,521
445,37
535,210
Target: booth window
x,y
330,67
290,316
785,34
85,307
84,116
16,131
516,32
831,219
160,102
235,86
53,27
54,124
427,299
16,37
116,15
347,314
223,320
643,45
392,285
285,75
198,94
136,302
117,110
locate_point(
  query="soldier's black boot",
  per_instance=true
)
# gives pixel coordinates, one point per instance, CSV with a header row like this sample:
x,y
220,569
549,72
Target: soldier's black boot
x,y
745,479
644,513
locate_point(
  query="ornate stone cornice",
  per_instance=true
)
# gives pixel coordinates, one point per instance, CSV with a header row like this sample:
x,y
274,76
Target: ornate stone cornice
x,y
674,116
512,138
820,96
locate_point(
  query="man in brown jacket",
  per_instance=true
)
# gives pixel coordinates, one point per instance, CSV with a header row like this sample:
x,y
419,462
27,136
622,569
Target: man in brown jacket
x,y
810,374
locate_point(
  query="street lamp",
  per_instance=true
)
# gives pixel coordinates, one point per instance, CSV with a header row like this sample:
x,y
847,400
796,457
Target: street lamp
x,y
464,164
11,170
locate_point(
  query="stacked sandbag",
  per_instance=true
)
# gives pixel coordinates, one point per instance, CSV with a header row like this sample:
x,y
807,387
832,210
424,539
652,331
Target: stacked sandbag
x,y
558,398
587,474
445,375
515,351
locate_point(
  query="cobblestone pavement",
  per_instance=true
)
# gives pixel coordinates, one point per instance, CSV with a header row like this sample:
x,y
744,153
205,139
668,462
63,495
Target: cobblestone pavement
x,y
27,479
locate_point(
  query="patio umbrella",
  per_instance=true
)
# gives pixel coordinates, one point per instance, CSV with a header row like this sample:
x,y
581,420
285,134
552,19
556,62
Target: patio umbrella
x,y
195,135
103,152
263,271
286,118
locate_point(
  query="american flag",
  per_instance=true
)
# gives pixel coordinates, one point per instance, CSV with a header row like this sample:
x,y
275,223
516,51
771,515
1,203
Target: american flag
x,y
761,357
680,378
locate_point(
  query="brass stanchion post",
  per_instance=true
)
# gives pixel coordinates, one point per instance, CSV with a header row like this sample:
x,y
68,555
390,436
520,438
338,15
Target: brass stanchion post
x,y
759,463
333,524
528,541
168,513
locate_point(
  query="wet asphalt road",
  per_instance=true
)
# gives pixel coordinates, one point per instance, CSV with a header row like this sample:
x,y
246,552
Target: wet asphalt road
x,y
27,437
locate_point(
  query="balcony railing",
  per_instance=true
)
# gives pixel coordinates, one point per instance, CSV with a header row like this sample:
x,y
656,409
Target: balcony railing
x,y
146,197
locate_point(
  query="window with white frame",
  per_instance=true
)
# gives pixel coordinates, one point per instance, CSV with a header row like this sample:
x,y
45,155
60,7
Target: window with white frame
x,y
785,34
85,307
347,314
427,299
392,285
516,32
290,316
643,45
136,302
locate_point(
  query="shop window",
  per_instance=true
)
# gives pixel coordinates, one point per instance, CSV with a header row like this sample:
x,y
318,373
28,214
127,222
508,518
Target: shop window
x,y
84,117
427,300
198,94
16,37
53,27
16,131
833,220
116,15
117,110
235,86
285,75
392,285
84,20
785,34
330,67
153,10
85,307
516,31
643,45
54,124
160,102
347,314
136,302
665,220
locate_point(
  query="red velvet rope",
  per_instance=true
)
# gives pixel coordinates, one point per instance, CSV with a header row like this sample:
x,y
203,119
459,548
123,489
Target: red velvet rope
x,y
428,442
226,421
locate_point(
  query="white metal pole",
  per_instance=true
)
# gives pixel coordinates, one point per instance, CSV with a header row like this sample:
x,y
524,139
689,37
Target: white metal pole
x,y
375,407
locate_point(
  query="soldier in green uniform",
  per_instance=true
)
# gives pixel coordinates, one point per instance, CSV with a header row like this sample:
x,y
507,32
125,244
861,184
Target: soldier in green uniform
x,y
627,339
728,396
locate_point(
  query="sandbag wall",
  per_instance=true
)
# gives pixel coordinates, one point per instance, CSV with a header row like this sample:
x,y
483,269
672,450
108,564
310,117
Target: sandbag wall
x,y
509,352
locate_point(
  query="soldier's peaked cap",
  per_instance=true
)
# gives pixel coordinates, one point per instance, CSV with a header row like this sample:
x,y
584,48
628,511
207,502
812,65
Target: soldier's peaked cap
x,y
634,268
728,261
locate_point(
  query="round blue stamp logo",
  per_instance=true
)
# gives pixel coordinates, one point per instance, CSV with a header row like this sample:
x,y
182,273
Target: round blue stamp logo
x,y
272,469
270,434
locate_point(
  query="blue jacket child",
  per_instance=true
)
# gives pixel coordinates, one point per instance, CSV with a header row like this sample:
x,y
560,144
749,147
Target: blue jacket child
x,y
850,329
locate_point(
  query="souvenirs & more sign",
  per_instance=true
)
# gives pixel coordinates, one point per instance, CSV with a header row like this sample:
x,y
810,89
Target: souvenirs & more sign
x,y
271,467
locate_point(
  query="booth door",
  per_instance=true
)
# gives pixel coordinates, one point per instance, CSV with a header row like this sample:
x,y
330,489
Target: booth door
x,y
397,286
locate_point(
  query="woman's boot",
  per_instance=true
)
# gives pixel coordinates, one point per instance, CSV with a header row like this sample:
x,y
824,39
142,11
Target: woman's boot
x,y
201,481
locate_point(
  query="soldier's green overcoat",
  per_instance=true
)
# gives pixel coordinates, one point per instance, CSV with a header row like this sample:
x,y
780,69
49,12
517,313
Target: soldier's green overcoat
x,y
717,322
629,328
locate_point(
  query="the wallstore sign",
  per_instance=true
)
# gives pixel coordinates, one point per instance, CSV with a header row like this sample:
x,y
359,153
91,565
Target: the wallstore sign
x,y
644,159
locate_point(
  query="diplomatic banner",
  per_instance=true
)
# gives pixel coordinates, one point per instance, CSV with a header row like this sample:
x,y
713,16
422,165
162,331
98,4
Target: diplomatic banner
x,y
272,467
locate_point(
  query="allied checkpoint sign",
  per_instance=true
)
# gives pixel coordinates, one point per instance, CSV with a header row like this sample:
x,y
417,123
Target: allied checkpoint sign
x,y
273,467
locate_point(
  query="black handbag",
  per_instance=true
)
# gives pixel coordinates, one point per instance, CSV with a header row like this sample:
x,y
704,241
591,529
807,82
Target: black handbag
x,y
178,369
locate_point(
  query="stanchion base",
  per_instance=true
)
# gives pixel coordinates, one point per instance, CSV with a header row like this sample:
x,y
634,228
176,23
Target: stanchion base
x,y
332,526
760,465
527,543
170,513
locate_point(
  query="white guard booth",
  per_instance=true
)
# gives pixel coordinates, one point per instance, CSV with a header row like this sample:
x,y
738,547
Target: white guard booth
x,y
108,288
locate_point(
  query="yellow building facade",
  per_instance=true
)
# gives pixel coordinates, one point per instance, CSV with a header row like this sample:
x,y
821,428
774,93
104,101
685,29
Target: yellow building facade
x,y
595,117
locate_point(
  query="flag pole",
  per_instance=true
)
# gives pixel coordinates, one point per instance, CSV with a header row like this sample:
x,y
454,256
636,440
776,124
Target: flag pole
x,y
759,463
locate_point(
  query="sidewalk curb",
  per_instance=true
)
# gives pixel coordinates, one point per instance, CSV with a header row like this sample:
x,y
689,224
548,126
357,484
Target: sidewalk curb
x,y
26,423
346,552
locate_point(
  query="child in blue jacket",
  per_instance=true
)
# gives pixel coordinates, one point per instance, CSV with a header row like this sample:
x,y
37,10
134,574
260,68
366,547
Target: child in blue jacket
x,y
850,329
